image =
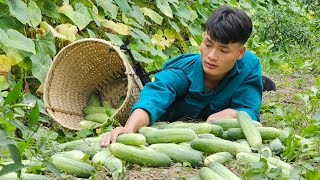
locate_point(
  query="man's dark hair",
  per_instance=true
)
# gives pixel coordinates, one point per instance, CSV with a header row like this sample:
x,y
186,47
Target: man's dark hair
x,y
227,25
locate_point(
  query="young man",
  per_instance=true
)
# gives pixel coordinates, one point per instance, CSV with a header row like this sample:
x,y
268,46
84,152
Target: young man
x,y
222,80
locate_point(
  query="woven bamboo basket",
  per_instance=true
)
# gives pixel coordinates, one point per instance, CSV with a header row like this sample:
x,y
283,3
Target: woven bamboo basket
x,y
87,66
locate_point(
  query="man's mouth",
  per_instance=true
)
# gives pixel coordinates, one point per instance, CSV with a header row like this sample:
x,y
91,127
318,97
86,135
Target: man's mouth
x,y
211,65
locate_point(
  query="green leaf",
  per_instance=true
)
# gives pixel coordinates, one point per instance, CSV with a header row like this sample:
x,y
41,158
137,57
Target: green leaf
x,y
5,142
14,93
19,10
154,16
49,8
184,12
91,33
137,14
116,40
35,14
16,40
15,153
141,58
3,83
40,66
78,18
48,28
164,6
313,174
195,29
124,6
174,26
33,116
140,34
11,168
318,81
9,22
52,168
108,7
119,28
45,44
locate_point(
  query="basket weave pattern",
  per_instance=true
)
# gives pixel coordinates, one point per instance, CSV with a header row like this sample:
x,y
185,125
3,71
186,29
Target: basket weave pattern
x,y
86,66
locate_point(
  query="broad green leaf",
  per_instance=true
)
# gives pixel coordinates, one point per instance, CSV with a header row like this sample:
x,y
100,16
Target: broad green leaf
x,y
170,36
68,30
154,16
140,34
52,168
14,93
91,33
16,40
174,26
137,14
40,66
116,27
15,55
115,39
49,8
79,7
15,153
5,142
9,22
45,44
164,6
3,83
33,117
35,14
78,18
108,7
195,29
192,41
141,58
48,28
5,63
11,168
19,10
32,99
313,174
130,21
124,6
184,12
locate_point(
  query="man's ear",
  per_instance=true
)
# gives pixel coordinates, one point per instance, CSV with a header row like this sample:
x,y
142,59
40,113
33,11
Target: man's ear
x,y
242,51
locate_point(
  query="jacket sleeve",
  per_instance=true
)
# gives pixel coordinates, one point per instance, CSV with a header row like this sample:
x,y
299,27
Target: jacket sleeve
x,y
158,95
248,96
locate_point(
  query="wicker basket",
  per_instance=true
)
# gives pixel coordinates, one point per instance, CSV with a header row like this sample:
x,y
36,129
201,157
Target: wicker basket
x,y
86,66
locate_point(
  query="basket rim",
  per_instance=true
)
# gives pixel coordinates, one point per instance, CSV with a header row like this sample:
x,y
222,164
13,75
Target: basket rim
x,y
55,63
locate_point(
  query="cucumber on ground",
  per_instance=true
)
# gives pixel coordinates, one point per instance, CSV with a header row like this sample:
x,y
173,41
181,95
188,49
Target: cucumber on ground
x,y
208,174
101,156
24,176
249,129
172,135
139,156
220,157
266,133
131,139
208,136
224,172
276,146
73,154
218,145
145,130
198,128
159,125
178,153
227,123
70,166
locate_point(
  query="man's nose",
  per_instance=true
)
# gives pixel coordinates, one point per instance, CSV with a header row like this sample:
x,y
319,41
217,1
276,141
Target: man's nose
x,y
212,55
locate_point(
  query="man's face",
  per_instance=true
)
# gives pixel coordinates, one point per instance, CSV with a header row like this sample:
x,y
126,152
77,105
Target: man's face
x,y
218,58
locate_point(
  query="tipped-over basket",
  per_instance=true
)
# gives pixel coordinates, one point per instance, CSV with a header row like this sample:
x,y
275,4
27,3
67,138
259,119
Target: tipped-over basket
x,y
87,66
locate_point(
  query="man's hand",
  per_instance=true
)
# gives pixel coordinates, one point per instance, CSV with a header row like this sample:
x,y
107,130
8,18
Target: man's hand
x,y
112,136
227,113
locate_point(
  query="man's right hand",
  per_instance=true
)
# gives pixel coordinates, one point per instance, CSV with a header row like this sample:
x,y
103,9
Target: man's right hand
x,y
112,136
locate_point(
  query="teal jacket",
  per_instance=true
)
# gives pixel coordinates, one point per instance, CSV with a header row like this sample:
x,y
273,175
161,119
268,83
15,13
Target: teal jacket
x,y
179,91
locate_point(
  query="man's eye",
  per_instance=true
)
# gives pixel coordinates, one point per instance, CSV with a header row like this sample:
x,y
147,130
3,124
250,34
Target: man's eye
x,y
208,45
223,51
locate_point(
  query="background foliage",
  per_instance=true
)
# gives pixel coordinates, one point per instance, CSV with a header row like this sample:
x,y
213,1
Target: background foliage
x,y
286,37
